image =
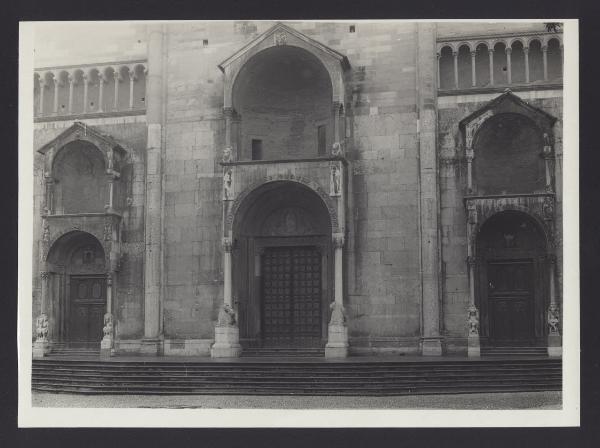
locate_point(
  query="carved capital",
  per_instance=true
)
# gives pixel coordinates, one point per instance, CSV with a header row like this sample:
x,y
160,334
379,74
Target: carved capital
x,y
227,244
132,75
228,112
338,240
471,261
490,50
109,278
508,50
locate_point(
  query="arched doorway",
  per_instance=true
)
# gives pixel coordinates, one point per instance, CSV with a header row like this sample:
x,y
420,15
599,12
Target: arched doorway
x,y
282,267
512,296
77,301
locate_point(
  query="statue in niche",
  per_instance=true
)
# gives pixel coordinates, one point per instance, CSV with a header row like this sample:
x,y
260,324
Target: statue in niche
x,y
336,180
41,327
553,319
473,321
227,155
46,232
228,185
548,208
547,141
108,325
336,149
226,316
109,156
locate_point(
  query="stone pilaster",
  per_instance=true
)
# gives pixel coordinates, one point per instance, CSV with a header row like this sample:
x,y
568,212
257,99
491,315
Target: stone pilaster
x,y
153,212
431,341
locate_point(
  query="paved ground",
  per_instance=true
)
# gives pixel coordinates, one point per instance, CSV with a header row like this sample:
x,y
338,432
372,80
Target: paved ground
x,y
520,400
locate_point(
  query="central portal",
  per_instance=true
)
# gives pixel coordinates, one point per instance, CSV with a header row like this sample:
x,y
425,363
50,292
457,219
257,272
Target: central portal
x,y
283,267
291,296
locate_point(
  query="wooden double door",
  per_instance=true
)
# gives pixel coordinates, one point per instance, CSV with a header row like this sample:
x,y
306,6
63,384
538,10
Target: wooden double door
x,y
291,293
510,295
86,311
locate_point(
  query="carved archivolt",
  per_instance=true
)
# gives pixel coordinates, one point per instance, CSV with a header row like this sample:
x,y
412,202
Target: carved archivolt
x,y
483,212
48,246
314,186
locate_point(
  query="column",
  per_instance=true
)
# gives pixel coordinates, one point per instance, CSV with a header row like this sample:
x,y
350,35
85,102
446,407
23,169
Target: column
x,y
473,78
491,53
337,331
100,91
228,114
547,161
455,54
545,58
85,92
227,333
470,155
428,230
131,80
508,65
526,51
49,197
106,344
117,76
42,82
110,179
56,85
71,83
438,70
151,344
553,315
41,346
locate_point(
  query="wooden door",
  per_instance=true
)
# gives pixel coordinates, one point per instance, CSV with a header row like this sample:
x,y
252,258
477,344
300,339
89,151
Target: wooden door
x,y
291,297
88,302
510,301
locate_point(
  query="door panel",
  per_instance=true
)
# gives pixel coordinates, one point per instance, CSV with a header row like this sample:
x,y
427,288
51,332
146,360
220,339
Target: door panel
x,y
510,296
291,296
88,302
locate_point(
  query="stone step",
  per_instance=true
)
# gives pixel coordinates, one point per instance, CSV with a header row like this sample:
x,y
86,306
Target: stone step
x,y
316,378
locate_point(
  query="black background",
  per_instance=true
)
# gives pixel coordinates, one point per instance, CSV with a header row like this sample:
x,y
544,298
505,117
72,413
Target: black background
x,y
12,11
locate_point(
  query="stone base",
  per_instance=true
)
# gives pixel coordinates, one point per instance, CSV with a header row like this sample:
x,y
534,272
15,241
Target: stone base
x,y
554,345
337,343
227,343
473,347
431,346
40,349
151,347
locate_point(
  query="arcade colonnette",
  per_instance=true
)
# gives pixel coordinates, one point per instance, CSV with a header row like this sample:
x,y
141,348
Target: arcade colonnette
x,y
366,188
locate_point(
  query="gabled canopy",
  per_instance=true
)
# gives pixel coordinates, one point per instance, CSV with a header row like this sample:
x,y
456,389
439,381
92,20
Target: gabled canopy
x,y
282,35
81,132
508,102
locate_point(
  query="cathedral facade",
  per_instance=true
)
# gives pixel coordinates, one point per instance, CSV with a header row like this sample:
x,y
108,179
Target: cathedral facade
x,y
350,188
